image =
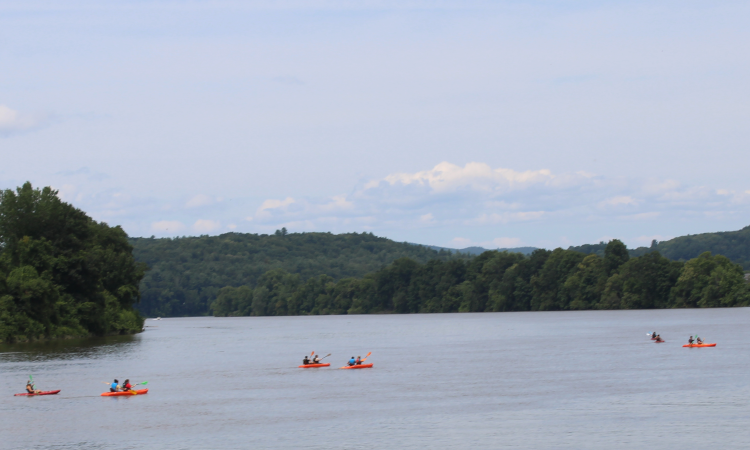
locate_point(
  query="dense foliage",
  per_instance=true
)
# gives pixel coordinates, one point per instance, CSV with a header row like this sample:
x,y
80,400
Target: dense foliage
x,y
186,274
62,273
500,281
735,245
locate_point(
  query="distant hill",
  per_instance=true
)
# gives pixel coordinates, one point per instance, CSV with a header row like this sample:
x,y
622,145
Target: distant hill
x,y
735,245
186,273
474,251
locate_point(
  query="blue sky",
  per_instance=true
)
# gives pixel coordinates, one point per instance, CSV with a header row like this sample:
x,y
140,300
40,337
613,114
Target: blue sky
x,y
452,123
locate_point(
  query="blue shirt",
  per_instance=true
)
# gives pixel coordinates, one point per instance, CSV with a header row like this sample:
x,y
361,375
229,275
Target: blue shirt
x,y
352,361
113,386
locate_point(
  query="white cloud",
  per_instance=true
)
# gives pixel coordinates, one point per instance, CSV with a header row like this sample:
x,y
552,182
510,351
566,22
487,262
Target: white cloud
x,y
446,177
168,226
619,200
206,226
12,121
232,226
268,207
199,200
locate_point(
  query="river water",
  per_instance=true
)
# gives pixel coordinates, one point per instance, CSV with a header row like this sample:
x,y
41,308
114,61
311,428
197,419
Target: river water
x,y
541,380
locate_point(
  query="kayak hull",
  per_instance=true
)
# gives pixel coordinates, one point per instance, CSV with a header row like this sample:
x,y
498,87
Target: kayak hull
x,y
699,345
41,393
311,366
360,366
128,393
659,342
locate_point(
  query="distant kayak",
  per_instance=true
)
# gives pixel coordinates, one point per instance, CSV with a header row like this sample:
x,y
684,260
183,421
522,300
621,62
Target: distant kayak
x,y
360,366
659,342
130,393
41,393
309,366
699,345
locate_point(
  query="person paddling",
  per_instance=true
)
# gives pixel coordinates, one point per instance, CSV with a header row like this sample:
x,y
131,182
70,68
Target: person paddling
x,y
305,360
658,338
30,388
114,387
358,361
653,335
690,340
352,362
126,386
698,340
316,360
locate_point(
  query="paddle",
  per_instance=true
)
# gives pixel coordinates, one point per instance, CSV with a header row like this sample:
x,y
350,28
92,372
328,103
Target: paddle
x,y
326,356
366,356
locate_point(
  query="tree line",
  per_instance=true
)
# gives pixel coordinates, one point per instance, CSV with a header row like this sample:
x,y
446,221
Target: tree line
x,y
187,273
500,281
62,274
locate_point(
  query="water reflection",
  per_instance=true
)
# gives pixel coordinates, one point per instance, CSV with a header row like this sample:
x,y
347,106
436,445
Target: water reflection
x,y
69,349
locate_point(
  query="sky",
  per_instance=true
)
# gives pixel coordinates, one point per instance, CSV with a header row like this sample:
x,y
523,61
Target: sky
x,y
450,123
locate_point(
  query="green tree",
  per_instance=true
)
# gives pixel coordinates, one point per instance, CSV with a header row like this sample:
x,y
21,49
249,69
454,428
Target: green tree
x,y
63,273
710,281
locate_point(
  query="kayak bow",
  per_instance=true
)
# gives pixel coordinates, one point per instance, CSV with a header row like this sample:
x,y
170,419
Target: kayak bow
x,y
26,394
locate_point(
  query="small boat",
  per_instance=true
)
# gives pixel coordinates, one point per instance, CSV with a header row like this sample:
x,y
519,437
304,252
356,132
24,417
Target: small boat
x,y
125,393
26,394
357,366
310,366
659,341
699,345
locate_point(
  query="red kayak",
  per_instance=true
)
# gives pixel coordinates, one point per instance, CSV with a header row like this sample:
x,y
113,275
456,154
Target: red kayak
x,y
308,366
358,366
41,393
130,393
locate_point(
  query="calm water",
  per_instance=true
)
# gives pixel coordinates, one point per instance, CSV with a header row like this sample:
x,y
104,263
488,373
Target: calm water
x,y
545,380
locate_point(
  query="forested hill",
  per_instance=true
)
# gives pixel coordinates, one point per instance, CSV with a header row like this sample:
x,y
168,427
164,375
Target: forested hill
x,y
734,245
187,273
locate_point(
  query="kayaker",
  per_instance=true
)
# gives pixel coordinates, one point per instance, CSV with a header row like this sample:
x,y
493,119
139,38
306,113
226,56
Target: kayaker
x,y
305,360
658,338
698,340
653,335
352,361
690,340
316,360
358,361
30,388
126,386
114,387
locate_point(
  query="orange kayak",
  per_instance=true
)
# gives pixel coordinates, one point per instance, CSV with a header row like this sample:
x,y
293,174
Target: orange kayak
x,y
131,393
308,366
360,366
699,345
